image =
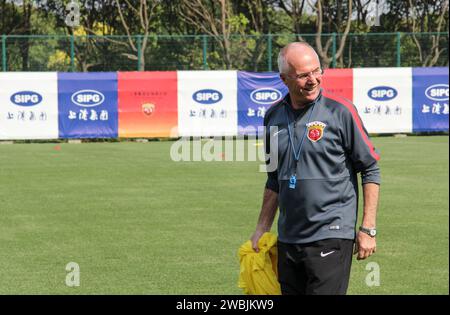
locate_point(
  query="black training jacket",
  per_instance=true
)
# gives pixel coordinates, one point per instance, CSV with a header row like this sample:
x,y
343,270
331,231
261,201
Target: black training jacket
x,y
335,148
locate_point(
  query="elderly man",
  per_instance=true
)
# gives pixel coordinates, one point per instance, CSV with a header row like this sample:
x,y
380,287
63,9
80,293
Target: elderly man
x,y
321,146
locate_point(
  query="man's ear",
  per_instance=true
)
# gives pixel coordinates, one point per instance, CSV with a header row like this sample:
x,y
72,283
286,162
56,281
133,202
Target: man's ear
x,y
283,78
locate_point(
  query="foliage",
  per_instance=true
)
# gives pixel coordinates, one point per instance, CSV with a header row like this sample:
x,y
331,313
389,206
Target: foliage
x,y
218,34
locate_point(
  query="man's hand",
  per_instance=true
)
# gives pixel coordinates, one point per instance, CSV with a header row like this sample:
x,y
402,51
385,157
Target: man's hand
x,y
265,220
365,245
255,238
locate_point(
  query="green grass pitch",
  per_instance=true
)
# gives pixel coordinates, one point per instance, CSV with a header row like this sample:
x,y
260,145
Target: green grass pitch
x,y
138,223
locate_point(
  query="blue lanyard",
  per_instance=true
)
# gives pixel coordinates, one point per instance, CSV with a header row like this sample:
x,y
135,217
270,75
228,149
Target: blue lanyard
x,y
291,140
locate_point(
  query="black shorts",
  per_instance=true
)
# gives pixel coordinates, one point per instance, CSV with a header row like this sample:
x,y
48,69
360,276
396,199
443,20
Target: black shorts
x,y
321,267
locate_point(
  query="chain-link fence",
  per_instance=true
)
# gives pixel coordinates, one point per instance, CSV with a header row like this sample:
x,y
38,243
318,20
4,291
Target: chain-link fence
x,y
190,52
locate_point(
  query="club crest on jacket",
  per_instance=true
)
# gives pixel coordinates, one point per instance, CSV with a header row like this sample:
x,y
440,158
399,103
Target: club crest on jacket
x,y
315,130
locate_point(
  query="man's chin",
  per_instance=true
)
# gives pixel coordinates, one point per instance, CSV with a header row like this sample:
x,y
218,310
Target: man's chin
x,y
311,95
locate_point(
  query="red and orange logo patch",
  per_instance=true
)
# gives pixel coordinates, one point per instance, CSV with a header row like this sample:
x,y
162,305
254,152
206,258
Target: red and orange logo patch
x,y
148,108
315,130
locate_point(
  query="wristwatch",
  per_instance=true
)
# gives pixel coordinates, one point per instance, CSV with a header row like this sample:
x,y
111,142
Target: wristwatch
x,y
371,232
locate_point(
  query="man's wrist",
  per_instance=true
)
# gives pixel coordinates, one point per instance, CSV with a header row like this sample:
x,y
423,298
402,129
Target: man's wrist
x,y
262,229
371,231
368,222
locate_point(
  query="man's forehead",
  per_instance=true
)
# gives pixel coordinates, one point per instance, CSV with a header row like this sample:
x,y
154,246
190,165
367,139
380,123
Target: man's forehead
x,y
300,50
304,65
302,58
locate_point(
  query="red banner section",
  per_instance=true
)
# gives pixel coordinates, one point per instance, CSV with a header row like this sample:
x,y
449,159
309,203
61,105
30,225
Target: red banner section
x,y
339,81
147,104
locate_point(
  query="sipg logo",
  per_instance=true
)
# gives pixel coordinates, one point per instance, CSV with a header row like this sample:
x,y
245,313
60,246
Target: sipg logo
x,y
26,98
87,98
382,93
437,92
265,96
207,96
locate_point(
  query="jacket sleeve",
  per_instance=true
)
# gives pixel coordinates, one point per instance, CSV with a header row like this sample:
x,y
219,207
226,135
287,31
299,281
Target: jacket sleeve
x,y
359,148
272,176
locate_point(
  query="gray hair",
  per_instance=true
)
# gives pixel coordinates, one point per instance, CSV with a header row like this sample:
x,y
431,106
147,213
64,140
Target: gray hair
x,y
283,66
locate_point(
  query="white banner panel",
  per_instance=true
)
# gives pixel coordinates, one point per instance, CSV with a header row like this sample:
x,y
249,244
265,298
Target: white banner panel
x,y
207,103
384,99
28,105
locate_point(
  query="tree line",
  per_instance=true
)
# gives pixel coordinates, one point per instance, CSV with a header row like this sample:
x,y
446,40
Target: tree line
x,y
219,34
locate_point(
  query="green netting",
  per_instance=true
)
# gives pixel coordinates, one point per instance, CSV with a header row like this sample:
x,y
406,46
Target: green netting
x,y
249,52
105,53
173,53
417,49
36,54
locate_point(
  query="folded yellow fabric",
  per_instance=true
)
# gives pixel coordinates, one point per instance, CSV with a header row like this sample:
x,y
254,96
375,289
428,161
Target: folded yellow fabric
x,y
258,271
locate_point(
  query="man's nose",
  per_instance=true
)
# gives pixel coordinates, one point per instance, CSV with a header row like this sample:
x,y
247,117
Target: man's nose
x,y
311,79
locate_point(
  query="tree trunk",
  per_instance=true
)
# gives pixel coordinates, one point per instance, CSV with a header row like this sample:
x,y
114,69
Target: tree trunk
x,y
25,43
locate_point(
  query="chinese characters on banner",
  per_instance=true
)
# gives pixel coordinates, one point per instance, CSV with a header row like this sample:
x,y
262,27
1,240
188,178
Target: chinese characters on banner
x,y
207,103
256,93
148,104
383,98
28,105
339,82
87,105
430,99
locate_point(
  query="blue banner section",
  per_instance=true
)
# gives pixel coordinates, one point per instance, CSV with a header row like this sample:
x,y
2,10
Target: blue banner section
x,y
430,99
87,105
256,93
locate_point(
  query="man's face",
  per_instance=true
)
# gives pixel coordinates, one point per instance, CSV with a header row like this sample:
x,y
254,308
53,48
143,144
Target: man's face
x,y
304,77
